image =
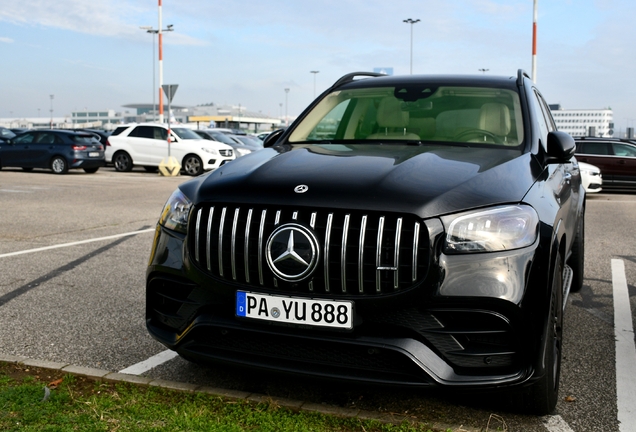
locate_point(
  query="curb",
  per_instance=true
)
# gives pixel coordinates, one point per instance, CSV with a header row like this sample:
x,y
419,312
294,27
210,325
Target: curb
x,y
109,376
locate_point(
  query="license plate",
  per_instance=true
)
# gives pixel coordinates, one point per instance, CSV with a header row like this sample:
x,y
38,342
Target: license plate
x,y
313,312
93,154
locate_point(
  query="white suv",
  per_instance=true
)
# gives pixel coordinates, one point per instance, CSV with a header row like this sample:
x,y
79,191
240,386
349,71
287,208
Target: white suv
x,y
146,144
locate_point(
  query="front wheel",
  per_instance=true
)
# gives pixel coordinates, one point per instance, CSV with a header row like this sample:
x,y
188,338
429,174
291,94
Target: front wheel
x,y
59,165
193,165
122,161
541,398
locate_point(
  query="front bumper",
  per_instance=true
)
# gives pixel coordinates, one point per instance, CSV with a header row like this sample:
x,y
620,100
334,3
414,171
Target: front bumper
x,y
441,332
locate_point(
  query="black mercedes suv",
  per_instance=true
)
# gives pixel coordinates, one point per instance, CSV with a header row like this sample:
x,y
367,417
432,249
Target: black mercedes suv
x,y
414,230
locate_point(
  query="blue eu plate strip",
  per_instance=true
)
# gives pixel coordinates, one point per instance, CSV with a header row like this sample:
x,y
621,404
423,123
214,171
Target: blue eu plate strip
x,y
240,303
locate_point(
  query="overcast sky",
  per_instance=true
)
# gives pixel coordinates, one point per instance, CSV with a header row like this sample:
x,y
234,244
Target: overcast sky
x,y
92,55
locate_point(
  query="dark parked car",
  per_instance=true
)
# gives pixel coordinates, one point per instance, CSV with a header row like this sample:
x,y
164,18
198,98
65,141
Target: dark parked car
x,y
101,135
615,157
421,231
58,150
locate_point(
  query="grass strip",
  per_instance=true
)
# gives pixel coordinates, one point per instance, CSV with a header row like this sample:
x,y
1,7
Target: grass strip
x,y
34,399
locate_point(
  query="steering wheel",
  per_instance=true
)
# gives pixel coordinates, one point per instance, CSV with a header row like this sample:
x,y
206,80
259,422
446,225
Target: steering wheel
x,y
466,135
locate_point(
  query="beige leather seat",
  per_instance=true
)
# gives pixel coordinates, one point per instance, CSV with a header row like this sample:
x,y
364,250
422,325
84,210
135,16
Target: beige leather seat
x,y
495,118
392,121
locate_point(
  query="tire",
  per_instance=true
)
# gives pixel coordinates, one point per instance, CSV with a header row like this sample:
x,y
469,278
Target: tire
x,y
59,165
151,169
192,165
541,398
91,170
27,169
577,258
122,161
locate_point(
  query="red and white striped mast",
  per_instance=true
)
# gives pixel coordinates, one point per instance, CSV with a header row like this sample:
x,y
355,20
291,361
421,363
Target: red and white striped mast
x,y
534,43
161,67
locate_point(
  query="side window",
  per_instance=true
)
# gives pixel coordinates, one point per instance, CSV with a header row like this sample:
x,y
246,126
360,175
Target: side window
x,y
142,132
119,130
595,148
543,125
624,150
546,113
26,138
159,133
46,138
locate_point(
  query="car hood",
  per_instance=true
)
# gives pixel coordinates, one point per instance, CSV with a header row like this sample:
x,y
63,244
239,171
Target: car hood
x,y
423,180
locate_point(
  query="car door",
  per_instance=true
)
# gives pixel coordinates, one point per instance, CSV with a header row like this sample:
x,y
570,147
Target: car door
x,y
149,144
16,153
45,145
624,164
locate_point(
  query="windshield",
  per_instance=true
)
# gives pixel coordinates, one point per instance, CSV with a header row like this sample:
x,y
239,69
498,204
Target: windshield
x,y
479,115
185,133
6,133
221,137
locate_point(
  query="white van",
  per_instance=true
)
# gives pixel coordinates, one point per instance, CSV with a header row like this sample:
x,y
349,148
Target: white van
x,y
146,144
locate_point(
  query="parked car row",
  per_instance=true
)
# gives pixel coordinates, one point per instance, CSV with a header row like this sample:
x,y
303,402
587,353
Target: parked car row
x,y
57,150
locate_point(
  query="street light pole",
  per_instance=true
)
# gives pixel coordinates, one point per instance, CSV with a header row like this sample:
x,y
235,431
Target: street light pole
x,y
286,118
153,31
51,125
411,21
314,72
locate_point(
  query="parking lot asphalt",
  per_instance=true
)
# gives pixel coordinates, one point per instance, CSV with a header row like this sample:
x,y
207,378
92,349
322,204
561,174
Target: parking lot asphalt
x,y
73,251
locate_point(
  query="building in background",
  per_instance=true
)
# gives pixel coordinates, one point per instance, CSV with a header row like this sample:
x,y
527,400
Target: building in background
x,y
584,122
200,117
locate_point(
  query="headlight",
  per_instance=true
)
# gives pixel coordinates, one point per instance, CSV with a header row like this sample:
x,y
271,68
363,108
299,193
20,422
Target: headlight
x,y
210,150
496,229
243,152
176,211
591,172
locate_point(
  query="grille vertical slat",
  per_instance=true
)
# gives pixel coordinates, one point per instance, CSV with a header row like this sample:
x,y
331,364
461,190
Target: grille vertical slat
x,y
343,254
396,256
229,241
327,247
233,254
198,236
208,240
221,227
363,230
378,262
246,245
416,242
261,230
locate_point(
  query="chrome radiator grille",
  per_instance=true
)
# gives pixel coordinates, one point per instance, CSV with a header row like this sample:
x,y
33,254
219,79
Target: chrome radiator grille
x,y
360,253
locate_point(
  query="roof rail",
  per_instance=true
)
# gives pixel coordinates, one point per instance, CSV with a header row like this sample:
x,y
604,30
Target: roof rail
x,y
349,77
520,75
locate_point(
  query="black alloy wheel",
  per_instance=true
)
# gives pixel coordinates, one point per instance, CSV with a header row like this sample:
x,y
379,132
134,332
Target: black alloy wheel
x,y
59,165
122,161
541,398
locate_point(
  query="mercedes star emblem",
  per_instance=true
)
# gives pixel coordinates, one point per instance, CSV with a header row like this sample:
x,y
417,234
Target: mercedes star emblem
x,y
301,188
292,252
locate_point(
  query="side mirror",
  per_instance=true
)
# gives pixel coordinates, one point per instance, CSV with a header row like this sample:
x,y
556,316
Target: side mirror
x,y
561,147
272,138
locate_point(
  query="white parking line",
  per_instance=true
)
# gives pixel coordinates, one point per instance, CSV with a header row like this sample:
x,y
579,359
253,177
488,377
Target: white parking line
x,y
556,424
76,243
625,350
152,362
